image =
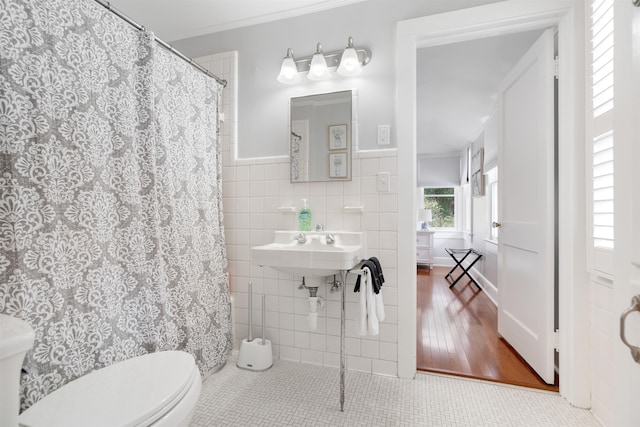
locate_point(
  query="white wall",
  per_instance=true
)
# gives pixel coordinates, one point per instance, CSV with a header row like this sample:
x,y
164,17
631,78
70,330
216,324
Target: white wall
x,y
487,268
481,233
443,240
263,101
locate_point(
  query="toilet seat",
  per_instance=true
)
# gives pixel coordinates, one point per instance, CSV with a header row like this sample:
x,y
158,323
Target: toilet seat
x,y
136,392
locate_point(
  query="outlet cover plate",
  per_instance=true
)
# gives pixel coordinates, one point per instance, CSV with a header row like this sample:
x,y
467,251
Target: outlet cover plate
x,y
384,134
384,182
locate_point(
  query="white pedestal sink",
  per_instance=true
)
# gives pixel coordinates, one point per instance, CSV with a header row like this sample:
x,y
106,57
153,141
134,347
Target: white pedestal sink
x,y
318,253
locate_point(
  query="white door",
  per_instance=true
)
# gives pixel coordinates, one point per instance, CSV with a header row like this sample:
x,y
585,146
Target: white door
x,y
526,208
626,379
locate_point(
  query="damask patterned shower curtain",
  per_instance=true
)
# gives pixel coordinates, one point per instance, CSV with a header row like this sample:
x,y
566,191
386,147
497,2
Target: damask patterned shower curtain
x,y
111,235
299,150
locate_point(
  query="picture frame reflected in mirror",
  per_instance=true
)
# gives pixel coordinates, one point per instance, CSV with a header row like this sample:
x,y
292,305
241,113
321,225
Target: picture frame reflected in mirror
x,y
338,165
338,137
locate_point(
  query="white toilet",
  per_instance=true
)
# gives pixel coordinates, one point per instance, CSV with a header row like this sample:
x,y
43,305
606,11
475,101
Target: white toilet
x,y
157,389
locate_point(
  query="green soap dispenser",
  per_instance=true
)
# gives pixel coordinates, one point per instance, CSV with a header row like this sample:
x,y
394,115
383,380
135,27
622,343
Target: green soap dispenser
x,y
304,217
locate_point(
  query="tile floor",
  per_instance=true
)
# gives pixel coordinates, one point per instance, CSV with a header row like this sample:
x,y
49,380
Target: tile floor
x,y
296,394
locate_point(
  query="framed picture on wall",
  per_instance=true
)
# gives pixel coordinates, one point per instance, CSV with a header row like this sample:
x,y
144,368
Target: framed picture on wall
x,y
338,165
477,161
338,137
477,184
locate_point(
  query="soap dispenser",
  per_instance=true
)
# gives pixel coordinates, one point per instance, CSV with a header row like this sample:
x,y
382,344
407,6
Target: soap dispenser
x,y
304,217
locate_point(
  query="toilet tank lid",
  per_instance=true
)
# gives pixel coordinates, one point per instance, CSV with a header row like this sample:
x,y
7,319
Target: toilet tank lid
x,y
16,336
128,393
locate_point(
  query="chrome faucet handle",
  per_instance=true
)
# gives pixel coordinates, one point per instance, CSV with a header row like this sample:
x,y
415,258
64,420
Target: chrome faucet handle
x,y
319,227
301,238
331,239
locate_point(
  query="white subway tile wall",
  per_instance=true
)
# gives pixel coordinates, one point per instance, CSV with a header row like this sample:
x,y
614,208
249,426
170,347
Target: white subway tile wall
x,y
253,190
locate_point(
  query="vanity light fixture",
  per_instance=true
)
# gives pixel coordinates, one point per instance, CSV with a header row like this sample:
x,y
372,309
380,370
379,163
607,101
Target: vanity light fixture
x,y
347,62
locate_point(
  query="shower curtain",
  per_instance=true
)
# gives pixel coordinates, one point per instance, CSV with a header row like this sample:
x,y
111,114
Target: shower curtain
x,y
111,234
299,150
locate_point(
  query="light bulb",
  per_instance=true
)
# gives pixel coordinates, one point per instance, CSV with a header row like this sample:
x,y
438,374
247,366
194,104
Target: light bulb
x,y
318,69
349,63
288,70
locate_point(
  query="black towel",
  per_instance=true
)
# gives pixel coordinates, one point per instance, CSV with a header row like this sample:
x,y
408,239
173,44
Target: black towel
x,y
379,268
377,279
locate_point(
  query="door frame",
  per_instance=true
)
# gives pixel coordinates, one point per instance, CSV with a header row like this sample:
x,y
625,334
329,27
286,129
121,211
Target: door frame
x,y
484,21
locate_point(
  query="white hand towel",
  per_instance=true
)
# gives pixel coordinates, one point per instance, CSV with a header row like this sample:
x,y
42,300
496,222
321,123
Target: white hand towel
x,y
368,319
362,317
379,306
372,317
362,320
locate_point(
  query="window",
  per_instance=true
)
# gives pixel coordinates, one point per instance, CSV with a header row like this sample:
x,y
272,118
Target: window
x,y
442,202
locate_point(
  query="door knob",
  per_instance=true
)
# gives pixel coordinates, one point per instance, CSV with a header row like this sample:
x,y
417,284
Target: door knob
x,y
496,224
635,306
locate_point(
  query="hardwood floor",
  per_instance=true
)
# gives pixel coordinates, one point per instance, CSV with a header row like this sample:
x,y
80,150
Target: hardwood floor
x,y
457,334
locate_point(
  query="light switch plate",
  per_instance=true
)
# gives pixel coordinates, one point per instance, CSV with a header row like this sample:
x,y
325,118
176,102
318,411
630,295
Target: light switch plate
x,y
384,134
384,184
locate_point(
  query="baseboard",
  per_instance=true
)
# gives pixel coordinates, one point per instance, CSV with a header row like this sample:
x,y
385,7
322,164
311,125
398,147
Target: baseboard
x,y
443,261
488,287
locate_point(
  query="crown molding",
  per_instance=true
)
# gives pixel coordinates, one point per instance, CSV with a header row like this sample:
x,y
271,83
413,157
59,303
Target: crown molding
x,y
262,19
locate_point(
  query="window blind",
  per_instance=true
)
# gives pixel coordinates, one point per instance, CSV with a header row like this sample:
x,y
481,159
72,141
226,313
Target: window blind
x,y
603,190
602,137
438,171
602,56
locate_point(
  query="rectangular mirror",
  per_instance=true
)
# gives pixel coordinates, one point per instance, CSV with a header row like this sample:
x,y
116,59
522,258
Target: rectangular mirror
x,y
321,137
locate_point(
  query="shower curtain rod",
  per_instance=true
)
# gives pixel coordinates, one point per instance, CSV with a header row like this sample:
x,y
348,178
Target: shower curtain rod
x,y
164,44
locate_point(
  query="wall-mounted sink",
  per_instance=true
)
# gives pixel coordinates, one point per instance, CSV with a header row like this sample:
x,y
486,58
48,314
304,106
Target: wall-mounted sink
x,y
311,253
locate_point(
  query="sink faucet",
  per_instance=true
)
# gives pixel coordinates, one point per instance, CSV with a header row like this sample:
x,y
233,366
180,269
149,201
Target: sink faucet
x,y
319,227
331,239
301,238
